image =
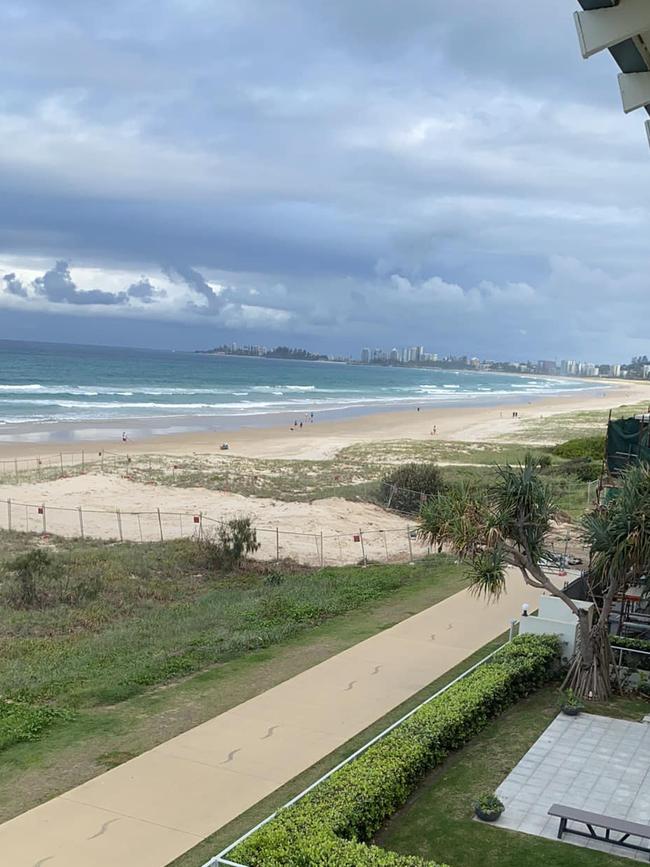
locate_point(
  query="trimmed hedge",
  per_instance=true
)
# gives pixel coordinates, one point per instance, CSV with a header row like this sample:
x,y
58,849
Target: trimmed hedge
x,y
328,827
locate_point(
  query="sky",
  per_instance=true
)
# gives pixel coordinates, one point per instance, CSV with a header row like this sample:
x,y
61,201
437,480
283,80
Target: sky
x,y
329,174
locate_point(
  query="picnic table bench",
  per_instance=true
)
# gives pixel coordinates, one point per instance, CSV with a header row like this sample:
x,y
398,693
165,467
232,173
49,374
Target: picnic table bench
x,y
599,820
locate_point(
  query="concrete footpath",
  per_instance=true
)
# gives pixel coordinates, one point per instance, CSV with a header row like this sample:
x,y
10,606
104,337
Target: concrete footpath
x,y
153,808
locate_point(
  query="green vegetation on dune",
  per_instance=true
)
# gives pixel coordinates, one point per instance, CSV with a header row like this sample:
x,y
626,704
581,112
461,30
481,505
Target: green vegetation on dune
x,y
160,612
551,429
98,735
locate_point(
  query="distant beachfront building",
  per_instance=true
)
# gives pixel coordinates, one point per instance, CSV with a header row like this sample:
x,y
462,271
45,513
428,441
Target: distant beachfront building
x,y
616,369
546,367
365,355
569,367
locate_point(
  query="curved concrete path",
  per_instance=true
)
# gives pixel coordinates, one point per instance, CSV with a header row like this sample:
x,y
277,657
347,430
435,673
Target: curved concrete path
x,y
153,808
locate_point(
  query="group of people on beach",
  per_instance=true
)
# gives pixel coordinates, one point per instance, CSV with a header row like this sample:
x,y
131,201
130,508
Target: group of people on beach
x,y
297,425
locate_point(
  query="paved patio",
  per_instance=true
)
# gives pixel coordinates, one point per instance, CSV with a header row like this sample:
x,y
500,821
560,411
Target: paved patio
x,y
590,762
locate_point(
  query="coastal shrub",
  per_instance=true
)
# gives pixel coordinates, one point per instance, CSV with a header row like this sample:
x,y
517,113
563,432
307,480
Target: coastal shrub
x,y
408,486
233,541
38,579
582,447
20,721
330,825
582,469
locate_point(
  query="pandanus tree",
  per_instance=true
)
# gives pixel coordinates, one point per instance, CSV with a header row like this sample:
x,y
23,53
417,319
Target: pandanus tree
x,y
618,536
509,523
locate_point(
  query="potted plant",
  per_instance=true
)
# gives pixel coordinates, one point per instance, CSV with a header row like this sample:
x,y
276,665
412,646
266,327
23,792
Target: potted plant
x,y
488,808
571,704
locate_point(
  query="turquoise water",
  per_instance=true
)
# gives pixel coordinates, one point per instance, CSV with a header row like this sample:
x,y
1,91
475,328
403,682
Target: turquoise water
x,y
48,383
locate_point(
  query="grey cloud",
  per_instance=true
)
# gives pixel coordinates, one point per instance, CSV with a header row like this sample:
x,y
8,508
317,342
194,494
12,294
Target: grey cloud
x,y
192,278
57,286
145,292
14,286
301,154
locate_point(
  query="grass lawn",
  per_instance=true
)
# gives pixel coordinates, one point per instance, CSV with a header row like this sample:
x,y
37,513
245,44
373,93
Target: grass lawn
x,y
165,644
437,822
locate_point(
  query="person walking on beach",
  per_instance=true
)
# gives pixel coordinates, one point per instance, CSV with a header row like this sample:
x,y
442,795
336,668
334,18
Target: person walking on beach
x,y
124,437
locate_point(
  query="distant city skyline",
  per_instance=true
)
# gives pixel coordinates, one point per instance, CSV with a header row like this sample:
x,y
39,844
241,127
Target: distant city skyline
x,y
564,367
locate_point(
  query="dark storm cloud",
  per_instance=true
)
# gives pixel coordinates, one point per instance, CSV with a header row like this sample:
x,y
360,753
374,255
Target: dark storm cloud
x,y
145,292
57,286
192,278
14,286
424,171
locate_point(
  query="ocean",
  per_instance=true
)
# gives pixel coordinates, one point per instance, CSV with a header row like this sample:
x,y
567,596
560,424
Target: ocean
x,y
72,386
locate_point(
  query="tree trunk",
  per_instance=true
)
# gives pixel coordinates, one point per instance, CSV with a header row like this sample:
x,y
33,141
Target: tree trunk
x,y
589,671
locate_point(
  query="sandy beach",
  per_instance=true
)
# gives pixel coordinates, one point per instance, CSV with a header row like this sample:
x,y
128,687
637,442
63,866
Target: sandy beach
x,y
321,440
295,529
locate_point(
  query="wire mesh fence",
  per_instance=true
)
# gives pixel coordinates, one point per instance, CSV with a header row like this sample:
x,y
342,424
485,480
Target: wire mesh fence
x,y
321,548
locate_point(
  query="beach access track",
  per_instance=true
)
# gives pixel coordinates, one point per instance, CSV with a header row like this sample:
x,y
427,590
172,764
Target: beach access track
x,y
150,810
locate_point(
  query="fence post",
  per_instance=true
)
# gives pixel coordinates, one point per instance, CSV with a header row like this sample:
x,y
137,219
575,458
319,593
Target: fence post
x,y
385,544
16,467
511,633
83,461
101,457
322,555
119,524
277,544
200,525
81,522
43,514
408,536
162,537
61,460
363,548
9,515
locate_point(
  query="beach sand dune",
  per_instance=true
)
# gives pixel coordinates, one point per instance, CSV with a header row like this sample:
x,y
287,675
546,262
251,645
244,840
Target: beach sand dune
x,y
299,524
113,506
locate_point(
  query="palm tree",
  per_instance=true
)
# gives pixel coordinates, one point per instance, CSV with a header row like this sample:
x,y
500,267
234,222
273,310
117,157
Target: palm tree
x,y
509,524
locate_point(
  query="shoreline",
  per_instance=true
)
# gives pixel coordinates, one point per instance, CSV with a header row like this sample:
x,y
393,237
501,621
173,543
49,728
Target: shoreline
x,y
326,436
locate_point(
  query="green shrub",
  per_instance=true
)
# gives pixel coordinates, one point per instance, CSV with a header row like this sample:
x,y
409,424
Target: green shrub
x,y
28,574
582,447
582,469
20,721
330,825
232,542
408,486
38,579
